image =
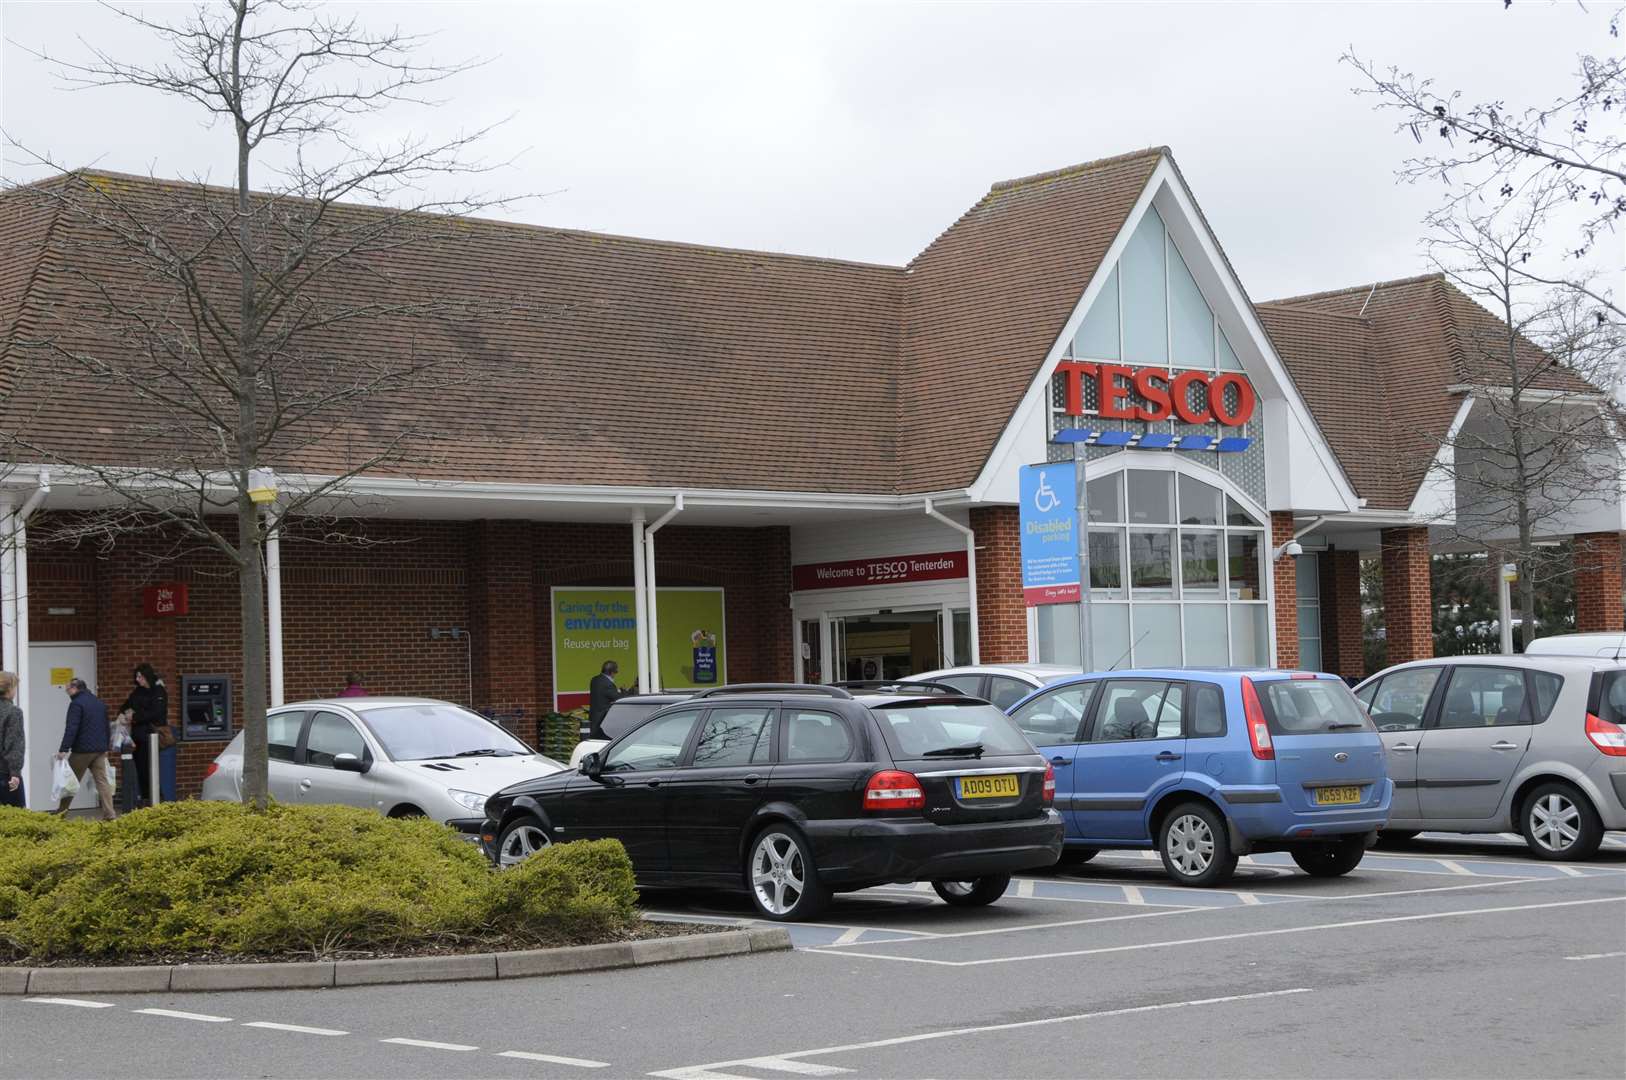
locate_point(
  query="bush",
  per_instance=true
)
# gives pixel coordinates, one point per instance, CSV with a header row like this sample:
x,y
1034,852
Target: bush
x,y
204,877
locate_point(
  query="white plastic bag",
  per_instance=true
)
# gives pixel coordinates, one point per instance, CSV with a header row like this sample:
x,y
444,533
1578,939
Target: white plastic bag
x,y
63,783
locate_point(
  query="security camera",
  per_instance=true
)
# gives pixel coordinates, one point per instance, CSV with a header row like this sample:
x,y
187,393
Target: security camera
x,y
1292,547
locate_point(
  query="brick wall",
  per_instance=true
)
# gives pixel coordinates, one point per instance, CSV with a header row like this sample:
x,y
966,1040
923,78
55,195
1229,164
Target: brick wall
x,y
1342,647
1597,561
1285,596
1002,617
1408,603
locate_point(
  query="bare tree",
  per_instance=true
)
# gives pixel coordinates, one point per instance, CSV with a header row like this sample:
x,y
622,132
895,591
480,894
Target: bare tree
x,y
216,332
1490,151
1540,451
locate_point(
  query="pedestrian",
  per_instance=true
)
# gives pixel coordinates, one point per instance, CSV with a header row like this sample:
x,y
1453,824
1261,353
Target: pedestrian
x,y
11,744
147,711
86,737
601,694
352,686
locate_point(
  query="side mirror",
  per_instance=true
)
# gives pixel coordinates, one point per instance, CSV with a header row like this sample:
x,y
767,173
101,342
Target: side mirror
x,y
590,765
351,763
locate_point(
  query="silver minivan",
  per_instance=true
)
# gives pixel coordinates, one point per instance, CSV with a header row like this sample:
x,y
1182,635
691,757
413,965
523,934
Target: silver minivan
x,y
1489,744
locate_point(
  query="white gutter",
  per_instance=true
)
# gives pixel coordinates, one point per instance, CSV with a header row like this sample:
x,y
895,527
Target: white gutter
x,y
19,607
273,608
8,591
970,573
649,583
640,609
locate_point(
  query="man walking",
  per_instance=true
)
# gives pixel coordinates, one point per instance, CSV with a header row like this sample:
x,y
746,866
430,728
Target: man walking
x,y
85,741
601,694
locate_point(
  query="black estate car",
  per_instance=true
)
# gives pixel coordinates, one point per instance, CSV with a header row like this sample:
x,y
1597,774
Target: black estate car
x,y
792,792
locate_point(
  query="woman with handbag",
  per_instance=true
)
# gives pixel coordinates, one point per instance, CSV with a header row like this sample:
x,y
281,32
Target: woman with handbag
x,y
147,710
11,744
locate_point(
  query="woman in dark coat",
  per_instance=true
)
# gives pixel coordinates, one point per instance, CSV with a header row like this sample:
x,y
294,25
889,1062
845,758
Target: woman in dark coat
x,y
148,708
11,744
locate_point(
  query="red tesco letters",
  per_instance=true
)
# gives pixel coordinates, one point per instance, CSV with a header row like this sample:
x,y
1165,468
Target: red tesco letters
x,y
1158,395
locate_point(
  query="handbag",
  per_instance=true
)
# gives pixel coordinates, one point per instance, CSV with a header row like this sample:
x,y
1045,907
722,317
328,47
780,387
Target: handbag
x,y
166,737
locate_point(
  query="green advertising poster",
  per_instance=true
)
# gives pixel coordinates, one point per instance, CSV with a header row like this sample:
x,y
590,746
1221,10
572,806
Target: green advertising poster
x,y
592,625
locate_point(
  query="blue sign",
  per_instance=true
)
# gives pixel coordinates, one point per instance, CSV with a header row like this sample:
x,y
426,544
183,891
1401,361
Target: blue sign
x,y
1049,519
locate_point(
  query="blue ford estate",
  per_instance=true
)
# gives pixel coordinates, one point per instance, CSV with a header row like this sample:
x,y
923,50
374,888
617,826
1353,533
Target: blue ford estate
x,y
1208,765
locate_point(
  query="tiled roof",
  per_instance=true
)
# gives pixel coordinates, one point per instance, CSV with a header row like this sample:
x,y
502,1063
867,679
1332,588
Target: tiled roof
x,y
1377,364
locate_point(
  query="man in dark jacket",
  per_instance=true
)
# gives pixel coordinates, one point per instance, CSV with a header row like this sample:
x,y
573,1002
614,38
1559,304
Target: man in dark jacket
x,y
601,694
85,741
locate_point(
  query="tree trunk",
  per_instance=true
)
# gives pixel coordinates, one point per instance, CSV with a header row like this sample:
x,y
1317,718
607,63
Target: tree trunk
x,y
251,595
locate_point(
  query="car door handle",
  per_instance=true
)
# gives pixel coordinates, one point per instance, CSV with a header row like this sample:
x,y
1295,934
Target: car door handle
x,y
1167,755
655,781
751,778
1504,745
304,785
1403,747
1061,761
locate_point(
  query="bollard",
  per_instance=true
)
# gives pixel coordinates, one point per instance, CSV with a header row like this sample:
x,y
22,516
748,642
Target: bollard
x,y
156,795
128,793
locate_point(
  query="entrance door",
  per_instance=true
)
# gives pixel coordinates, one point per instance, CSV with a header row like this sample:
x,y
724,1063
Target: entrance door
x,y
50,666
888,644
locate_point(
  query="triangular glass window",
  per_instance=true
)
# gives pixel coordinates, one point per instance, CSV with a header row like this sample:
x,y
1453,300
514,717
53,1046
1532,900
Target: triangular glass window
x,y
1097,337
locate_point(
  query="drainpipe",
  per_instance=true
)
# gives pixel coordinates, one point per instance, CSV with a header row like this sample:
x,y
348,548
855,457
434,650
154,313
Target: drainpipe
x,y
970,572
8,591
273,607
639,607
19,576
649,583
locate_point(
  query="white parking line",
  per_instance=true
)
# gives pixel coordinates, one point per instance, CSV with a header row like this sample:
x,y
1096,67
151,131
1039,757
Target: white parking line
x,y
1132,895
1248,899
850,935
704,1072
77,1003
554,1059
1028,926
1597,956
298,1029
177,1015
1455,867
426,1045
800,1068
1024,888
1220,937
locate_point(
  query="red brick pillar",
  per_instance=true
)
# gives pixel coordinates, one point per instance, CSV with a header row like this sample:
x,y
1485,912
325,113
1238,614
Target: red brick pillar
x,y
1002,616
1285,598
1597,562
503,619
1408,602
1342,628
774,581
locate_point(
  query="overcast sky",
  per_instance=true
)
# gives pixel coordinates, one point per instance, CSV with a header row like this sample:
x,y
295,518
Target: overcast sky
x,y
861,131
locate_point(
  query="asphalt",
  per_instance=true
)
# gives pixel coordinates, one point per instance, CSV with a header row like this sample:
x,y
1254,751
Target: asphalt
x,y
1447,958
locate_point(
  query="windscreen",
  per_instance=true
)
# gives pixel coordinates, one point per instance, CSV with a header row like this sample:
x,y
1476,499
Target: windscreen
x,y
420,732
626,715
922,728
1310,706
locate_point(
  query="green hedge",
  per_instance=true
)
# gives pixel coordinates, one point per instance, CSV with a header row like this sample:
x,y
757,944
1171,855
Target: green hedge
x,y
206,877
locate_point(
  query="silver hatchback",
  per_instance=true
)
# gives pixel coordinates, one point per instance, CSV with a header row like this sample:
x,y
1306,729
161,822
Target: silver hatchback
x,y
400,756
1489,744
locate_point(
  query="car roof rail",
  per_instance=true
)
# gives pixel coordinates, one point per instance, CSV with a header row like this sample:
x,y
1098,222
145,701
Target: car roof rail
x,y
774,688
901,685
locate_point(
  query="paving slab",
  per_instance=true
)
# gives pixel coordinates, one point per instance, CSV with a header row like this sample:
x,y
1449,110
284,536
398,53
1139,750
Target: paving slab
x,y
412,969
520,965
293,976
98,980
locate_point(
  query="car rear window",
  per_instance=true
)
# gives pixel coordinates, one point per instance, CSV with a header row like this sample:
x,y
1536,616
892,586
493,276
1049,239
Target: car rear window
x,y
1310,706
916,728
623,716
1611,694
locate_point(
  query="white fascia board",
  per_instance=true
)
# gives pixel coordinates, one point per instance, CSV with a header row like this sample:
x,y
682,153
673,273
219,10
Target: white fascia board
x,y
1534,394
1436,498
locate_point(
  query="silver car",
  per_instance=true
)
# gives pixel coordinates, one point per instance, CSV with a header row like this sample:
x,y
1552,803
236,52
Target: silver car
x,y
1488,744
1003,685
403,757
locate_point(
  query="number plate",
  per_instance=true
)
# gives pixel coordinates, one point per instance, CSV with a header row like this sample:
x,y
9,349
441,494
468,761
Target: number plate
x,y
1337,796
1004,786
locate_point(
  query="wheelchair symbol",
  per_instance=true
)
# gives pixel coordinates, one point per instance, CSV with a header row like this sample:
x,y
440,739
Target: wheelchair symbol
x,y
1044,499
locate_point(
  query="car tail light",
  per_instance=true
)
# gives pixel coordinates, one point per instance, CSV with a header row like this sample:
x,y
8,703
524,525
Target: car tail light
x,y
1253,714
214,767
1607,737
894,790
1049,784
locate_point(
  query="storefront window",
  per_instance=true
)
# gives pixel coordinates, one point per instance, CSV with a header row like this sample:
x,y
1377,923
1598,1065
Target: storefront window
x,y
1151,561
1105,498
1107,560
1151,501
1199,561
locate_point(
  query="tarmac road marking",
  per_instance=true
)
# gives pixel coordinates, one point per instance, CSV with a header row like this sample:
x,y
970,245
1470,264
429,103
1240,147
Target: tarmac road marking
x,y
297,1029
78,1003
705,1072
850,935
1597,956
554,1059
1132,895
1213,938
426,1045
1030,926
177,1015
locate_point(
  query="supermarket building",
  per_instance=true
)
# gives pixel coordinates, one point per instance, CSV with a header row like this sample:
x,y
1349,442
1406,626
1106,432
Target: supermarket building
x,y
719,465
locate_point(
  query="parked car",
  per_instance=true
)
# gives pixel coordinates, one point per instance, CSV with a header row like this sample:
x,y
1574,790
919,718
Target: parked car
x,y
1002,684
1610,645
623,715
1209,765
401,756
1488,744
793,792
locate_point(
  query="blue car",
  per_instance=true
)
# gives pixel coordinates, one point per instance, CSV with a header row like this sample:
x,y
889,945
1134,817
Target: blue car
x,y
1207,765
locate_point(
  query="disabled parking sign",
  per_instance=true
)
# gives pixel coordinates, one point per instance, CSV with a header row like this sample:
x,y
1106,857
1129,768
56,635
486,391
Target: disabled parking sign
x,y
1049,520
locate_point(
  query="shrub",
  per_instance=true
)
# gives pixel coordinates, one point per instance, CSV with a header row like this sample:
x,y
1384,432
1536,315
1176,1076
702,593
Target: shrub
x,y
205,877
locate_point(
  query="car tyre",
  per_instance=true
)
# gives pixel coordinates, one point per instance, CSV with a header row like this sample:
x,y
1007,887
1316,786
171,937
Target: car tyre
x,y
978,892
1077,856
1559,822
1333,859
1195,846
781,877
520,839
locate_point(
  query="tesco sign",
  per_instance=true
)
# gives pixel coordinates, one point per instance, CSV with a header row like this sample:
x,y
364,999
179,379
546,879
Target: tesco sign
x,y
1126,393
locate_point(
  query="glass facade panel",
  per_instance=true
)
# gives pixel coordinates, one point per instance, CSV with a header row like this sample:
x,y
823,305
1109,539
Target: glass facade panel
x,y
1250,637
1097,337
1107,560
1227,355
1307,568
1235,515
1207,636
1058,632
1109,628
1243,564
1157,635
1199,502
1151,497
1199,562
1191,323
1151,561
1145,303
1104,498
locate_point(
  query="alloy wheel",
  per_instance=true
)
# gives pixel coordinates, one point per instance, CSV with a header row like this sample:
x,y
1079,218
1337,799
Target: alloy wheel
x,y
958,888
521,843
1191,844
1555,822
778,873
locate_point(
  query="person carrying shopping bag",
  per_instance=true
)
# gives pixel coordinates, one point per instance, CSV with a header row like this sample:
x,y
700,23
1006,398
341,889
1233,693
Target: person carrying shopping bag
x,y
11,744
147,712
86,737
